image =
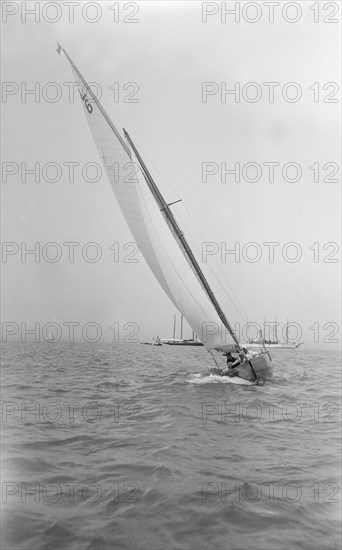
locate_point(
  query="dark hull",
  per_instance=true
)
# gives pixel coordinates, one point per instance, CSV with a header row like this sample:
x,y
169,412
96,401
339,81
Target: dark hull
x,y
185,343
257,369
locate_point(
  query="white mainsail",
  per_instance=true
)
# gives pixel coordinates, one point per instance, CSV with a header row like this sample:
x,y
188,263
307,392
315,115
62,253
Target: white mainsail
x,y
147,223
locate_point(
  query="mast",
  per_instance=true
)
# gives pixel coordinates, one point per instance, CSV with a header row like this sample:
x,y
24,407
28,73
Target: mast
x,y
181,326
179,235
174,326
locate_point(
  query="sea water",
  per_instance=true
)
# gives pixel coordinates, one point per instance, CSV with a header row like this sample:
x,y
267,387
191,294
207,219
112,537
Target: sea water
x,y
141,447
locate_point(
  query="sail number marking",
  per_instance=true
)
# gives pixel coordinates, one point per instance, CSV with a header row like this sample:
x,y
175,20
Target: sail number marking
x,y
87,103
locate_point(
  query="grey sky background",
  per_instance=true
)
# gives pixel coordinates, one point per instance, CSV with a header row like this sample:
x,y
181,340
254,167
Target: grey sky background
x,y
168,54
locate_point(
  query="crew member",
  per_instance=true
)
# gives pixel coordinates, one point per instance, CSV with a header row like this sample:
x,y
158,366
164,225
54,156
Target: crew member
x,y
230,358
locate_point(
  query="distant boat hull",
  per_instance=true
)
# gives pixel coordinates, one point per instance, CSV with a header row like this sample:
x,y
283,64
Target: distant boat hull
x,y
255,345
182,343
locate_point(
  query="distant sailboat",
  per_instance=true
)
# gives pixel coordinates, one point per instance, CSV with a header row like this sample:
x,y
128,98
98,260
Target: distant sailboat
x,y
273,343
159,237
181,341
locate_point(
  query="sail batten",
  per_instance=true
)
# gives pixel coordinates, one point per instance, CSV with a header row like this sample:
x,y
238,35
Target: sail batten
x,y
153,227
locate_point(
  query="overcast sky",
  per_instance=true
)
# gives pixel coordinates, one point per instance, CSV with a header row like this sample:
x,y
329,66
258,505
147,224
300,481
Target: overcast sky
x,y
162,60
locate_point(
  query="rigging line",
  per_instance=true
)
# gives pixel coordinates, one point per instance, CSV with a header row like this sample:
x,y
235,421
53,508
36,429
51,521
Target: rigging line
x,y
147,210
213,356
179,235
157,170
239,308
237,303
167,255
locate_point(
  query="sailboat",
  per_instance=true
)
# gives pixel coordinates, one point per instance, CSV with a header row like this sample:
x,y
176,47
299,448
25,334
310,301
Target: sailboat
x,y
273,343
181,341
160,238
157,342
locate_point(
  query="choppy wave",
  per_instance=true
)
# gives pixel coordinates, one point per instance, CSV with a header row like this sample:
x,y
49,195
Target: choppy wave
x,y
137,447
216,379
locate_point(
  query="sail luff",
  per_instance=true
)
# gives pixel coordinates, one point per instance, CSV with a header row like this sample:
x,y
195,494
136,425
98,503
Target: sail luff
x,y
109,165
94,98
179,236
